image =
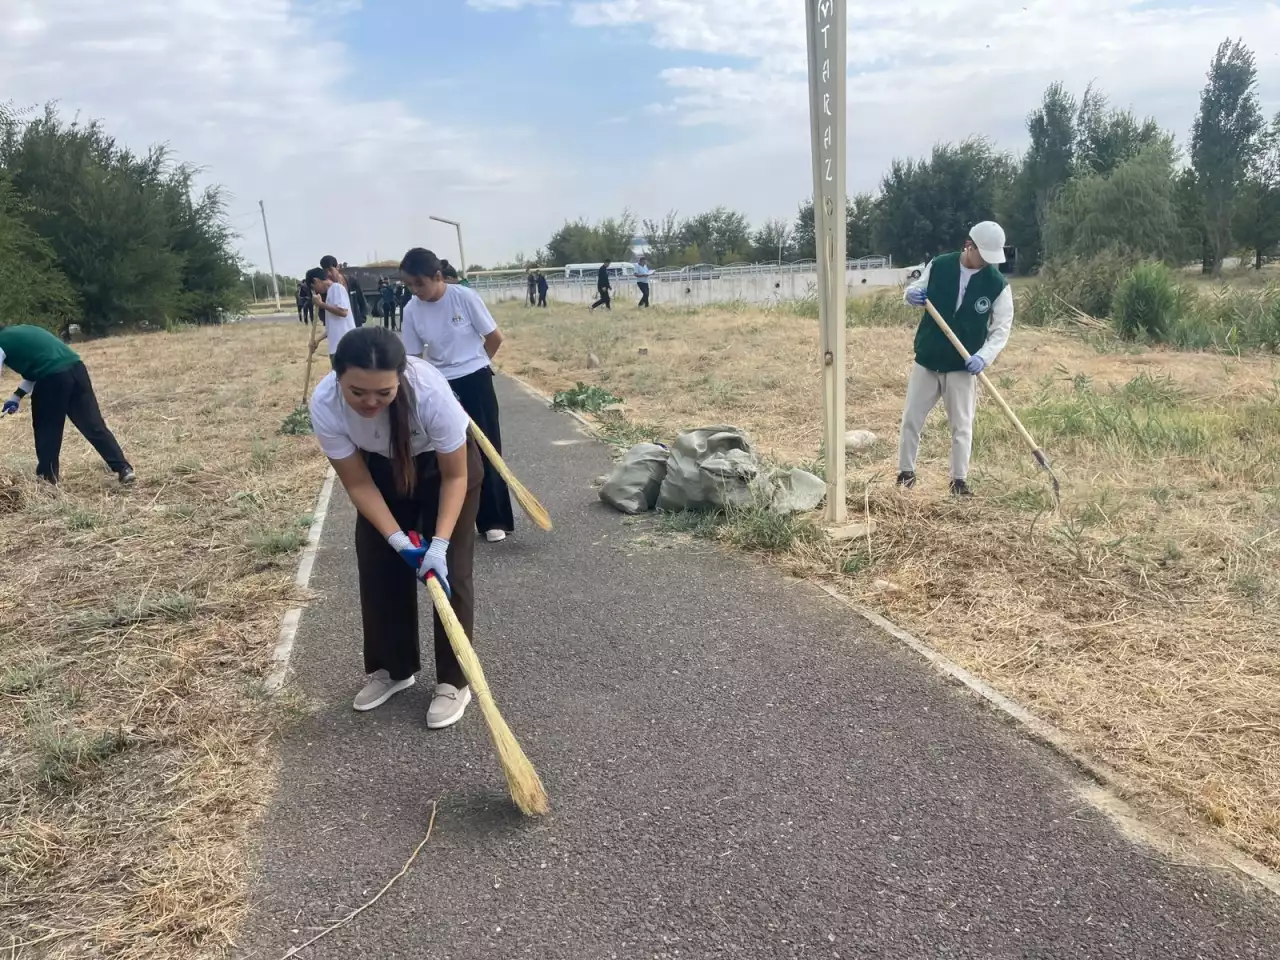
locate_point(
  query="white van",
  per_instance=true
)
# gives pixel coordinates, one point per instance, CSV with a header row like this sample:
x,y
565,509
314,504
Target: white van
x,y
618,270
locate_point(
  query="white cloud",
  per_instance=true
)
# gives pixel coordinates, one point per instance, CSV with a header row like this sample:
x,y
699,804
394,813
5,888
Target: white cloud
x,y
253,92
509,4
920,71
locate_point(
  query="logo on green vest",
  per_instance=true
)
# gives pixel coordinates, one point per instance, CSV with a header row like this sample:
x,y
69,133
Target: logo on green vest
x,y
983,305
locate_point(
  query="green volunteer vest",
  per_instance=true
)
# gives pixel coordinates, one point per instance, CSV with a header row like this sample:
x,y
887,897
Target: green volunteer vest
x,y
34,352
933,350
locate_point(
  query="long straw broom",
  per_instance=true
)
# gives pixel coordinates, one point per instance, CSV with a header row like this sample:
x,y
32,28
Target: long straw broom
x,y
522,779
528,502
311,352
987,385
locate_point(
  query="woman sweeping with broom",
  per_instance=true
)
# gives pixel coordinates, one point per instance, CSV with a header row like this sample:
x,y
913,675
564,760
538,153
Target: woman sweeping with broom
x,y
397,438
460,336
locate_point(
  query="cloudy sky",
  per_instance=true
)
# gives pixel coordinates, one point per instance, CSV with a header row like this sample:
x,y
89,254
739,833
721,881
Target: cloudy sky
x,y
356,119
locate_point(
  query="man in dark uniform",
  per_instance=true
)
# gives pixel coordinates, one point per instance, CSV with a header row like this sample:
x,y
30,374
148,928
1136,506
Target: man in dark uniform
x,y
603,286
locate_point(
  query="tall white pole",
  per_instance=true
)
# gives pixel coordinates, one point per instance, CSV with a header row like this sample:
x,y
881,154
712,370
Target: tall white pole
x,y
826,21
462,254
275,282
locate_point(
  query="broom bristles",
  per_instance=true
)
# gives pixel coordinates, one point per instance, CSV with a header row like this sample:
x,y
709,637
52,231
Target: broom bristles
x,y
523,781
534,510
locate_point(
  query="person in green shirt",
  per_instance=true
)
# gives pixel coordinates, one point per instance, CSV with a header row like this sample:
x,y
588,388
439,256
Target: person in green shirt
x,y
56,378
974,298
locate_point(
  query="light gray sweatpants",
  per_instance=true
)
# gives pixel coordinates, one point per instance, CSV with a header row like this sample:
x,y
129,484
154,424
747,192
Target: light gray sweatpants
x,y
959,395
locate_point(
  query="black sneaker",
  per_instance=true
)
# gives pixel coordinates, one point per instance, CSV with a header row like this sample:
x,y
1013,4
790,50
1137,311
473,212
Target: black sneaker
x,y
960,489
126,476
906,479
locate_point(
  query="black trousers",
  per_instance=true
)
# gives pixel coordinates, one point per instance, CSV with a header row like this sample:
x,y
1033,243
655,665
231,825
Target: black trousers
x,y
389,317
644,294
542,298
64,395
476,394
307,313
604,300
389,590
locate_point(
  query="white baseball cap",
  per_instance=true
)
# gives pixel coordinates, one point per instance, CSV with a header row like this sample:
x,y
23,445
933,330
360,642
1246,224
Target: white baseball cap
x,y
988,237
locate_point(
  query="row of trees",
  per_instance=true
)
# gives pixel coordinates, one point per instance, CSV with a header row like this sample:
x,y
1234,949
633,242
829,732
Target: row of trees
x,y
92,233
1092,178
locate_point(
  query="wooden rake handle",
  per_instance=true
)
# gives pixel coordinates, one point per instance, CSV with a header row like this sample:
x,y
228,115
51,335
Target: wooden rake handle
x,y
988,386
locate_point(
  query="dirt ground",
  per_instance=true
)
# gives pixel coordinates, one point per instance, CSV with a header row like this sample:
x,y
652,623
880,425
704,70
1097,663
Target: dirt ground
x,y
1143,620
136,753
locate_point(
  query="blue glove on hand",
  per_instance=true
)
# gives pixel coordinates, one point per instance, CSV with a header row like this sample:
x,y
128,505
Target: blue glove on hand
x,y
975,364
10,406
916,296
424,560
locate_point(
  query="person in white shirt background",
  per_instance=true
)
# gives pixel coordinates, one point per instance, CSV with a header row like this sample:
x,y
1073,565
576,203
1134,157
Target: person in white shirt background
x,y
973,297
460,337
643,273
397,439
338,321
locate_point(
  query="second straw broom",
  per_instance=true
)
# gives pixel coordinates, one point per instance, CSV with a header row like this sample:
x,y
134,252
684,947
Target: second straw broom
x,y
522,779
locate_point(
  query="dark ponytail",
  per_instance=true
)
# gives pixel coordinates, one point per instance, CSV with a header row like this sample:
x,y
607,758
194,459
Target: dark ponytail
x,y
420,262
377,348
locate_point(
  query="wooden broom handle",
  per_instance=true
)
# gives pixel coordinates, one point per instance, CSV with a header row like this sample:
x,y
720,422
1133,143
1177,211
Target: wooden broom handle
x,y
986,383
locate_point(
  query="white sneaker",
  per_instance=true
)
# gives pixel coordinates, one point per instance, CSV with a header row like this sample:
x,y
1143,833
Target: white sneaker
x,y
495,536
380,689
447,706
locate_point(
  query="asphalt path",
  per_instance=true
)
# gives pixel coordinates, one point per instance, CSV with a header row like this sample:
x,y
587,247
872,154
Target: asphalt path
x,y
737,768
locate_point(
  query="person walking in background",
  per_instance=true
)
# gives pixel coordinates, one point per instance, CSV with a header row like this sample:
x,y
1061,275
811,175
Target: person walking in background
x,y
387,297
973,297
542,289
359,305
306,308
460,337
56,378
403,296
338,320
397,439
643,273
531,282
603,286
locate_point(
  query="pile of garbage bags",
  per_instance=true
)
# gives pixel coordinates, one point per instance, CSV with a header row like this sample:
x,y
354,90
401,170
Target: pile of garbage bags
x,y
706,469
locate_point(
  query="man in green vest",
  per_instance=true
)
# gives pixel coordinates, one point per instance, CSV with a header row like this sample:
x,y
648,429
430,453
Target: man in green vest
x,y
60,389
970,293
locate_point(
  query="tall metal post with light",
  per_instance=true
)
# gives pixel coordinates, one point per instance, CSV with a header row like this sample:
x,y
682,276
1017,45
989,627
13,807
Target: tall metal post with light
x,y
462,255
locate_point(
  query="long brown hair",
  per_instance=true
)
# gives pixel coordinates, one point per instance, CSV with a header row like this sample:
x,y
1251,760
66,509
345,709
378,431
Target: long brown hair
x,y
377,348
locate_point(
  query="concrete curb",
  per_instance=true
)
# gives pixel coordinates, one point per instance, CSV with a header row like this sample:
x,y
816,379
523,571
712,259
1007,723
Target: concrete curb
x,y
276,679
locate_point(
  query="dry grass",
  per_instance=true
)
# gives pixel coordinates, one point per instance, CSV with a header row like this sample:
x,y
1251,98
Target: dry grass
x,y
1145,621
135,744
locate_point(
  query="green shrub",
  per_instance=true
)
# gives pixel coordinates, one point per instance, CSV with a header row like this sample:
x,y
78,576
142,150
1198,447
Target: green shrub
x,y
1147,303
1087,284
589,399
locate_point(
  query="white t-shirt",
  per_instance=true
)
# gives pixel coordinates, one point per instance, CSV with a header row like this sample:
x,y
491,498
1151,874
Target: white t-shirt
x,y
337,327
438,421
452,329
965,276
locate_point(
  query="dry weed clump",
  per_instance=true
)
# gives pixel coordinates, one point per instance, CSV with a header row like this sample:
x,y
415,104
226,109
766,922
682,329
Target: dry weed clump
x,y
1144,620
135,744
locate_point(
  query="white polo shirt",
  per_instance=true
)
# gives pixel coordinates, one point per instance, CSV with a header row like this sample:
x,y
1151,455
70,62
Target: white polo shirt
x,y
336,327
452,330
438,421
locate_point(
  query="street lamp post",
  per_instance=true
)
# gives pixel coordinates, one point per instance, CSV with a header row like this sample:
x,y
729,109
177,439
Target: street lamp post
x,y
462,255
271,261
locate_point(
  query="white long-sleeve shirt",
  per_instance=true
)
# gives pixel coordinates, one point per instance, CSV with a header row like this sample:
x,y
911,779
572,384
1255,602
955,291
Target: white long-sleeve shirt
x,y
999,324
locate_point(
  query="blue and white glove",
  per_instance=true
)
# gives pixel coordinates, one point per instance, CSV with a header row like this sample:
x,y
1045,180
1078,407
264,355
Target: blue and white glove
x,y
916,296
409,552
437,561
975,364
11,405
